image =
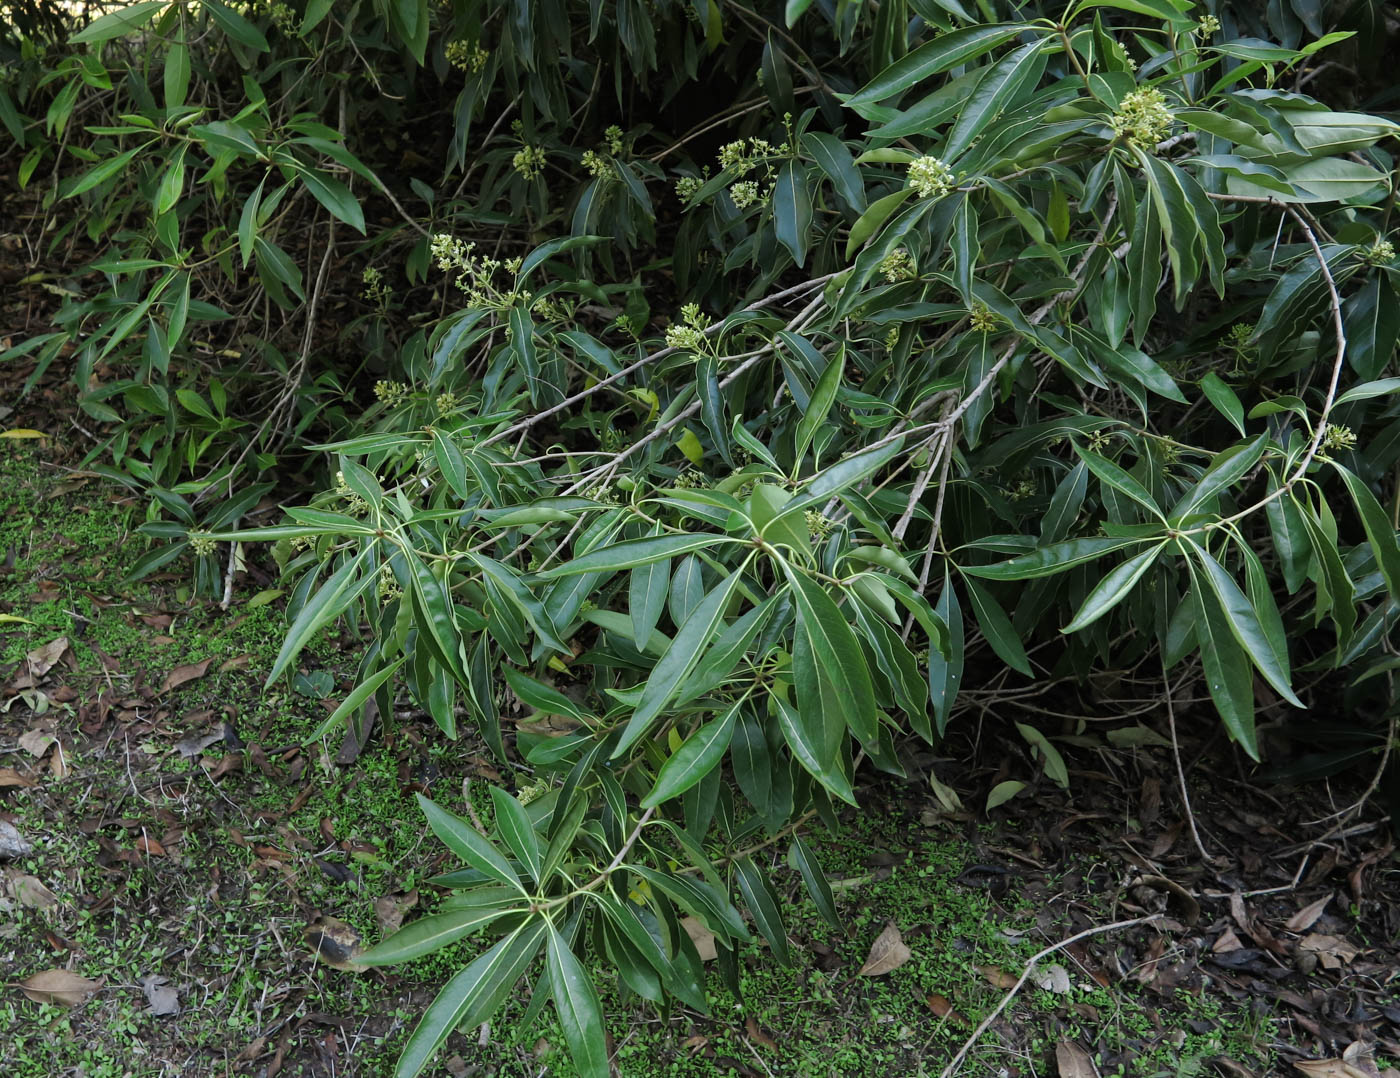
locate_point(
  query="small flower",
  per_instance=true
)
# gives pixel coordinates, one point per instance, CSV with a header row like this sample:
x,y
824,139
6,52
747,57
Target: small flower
x,y
930,177
1338,437
982,318
732,156
375,289
529,161
597,165
744,193
201,544
388,586
466,56
899,265
1380,253
1208,25
891,338
817,524
1024,488
445,402
684,338
536,790
1142,118
689,480
390,393
1098,441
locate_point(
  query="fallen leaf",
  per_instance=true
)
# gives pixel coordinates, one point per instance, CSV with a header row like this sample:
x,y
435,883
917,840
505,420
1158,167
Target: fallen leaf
x,y
58,762
1227,942
149,846
756,1033
162,998
32,893
42,660
36,742
942,1007
1305,918
335,943
702,937
1073,1062
1330,1068
194,744
10,777
1332,952
887,953
60,986
182,674
1053,979
389,910
12,843
997,978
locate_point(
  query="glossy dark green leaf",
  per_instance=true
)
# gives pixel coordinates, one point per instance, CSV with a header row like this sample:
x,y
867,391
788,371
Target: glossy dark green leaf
x,y
1227,469
634,552
468,843
945,671
1229,678
792,210
1380,532
997,628
944,52
764,904
1048,560
829,671
817,888
697,756
580,1014
835,160
434,932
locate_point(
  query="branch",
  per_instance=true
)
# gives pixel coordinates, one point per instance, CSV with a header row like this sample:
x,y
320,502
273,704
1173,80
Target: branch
x,y
982,1027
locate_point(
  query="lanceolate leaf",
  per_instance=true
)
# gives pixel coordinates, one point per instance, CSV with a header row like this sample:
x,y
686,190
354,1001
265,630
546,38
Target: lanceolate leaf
x,y
576,1002
1048,560
832,681
792,210
997,628
1111,590
945,52
1380,532
698,755
468,843
1228,676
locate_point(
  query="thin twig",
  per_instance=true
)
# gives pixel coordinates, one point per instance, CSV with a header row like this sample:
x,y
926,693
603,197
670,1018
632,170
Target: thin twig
x,y
1181,771
986,1023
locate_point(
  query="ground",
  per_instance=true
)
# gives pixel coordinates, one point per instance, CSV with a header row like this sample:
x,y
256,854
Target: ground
x,y
188,852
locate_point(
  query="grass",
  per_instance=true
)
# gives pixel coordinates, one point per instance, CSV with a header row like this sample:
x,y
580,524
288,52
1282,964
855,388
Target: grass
x,y
250,859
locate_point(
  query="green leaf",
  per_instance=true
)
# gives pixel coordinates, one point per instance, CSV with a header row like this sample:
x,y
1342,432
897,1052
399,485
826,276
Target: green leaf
x,y
1228,676
945,670
944,52
1118,479
336,197
870,221
792,210
356,700
831,773
429,934
235,25
472,996
117,23
1109,591
469,844
580,1015
697,756
1243,623
1228,468
1371,321
997,628
829,672
333,598
997,91
763,903
1223,398
1379,388
1003,792
176,78
817,888
633,552
1048,560
1380,532
835,160
679,660
1050,756
823,396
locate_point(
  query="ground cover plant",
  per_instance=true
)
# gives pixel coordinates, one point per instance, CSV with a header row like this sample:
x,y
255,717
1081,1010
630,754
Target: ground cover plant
x,y
705,465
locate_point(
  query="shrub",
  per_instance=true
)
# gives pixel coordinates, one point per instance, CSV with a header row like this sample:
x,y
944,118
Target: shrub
x,y
1077,325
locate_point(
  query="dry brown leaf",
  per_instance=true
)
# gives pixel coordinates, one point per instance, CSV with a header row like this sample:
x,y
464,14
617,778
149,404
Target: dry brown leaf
x,y
335,943
182,674
1305,918
1073,1062
58,762
32,893
887,953
389,910
1053,979
149,846
10,777
1227,942
163,999
996,977
1329,1068
42,660
1332,952
942,1007
755,1032
60,986
702,937
36,742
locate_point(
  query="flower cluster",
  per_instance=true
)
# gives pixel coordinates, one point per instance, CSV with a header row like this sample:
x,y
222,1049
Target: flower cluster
x,y
899,265
612,139
476,274
528,161
391,393
445,402
467,56
930,177
1380,253
689,480
1142,118
283,17
1338,437
745,193
354,504
817,524
598,165
388,586
201,544
689,334
687,186
375,289
983,320
1208,25
741,157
